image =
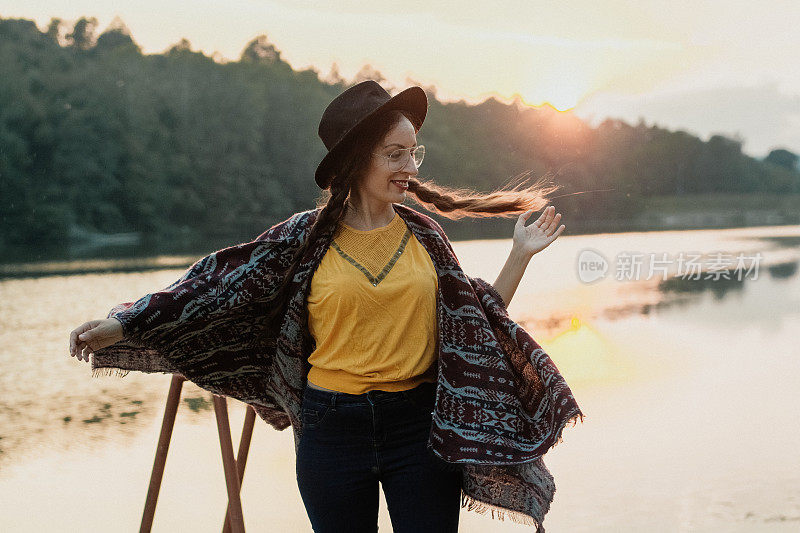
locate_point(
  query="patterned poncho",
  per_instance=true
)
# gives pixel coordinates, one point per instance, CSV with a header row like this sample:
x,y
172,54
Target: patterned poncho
x,y
500,401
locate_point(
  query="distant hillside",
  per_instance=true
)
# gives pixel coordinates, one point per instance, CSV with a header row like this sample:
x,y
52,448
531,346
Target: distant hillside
x,y
97,137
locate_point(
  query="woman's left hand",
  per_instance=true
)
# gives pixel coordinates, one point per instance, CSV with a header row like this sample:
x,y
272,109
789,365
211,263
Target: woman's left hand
x,y
532,239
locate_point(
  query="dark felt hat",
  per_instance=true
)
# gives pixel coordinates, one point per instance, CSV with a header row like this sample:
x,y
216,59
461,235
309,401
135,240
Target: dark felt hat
x,y
347,113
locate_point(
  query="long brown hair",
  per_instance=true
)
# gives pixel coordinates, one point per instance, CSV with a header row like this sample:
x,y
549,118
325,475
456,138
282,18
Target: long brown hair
x,y
454,203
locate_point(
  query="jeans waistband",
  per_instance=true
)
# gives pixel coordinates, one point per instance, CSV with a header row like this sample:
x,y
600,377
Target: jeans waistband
x,y
373,396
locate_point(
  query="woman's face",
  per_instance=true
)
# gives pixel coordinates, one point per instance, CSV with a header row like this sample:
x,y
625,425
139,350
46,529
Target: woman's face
x,y
381,184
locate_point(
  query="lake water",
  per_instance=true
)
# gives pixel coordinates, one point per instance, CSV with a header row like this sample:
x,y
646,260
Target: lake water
x,y
690,390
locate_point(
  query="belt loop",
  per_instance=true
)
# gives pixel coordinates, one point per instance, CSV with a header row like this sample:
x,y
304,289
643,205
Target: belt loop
x,y
333,400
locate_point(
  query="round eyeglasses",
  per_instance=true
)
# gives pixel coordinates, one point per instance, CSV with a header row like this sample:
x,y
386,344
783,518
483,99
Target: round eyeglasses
x,y
398,159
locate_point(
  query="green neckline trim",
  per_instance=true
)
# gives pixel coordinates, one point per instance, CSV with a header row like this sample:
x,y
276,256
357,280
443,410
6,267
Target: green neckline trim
x,y
376,279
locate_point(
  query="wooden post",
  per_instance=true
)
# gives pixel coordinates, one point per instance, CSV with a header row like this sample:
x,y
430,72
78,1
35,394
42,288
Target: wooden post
x,y
233,467
167,424
241,456
229,465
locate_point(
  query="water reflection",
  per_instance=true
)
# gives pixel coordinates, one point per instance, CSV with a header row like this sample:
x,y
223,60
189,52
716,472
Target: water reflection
x,y
781,241
785,270
93,266
718,287
689,386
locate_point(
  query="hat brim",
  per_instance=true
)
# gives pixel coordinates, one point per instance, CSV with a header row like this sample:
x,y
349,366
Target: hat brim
x,y
412,99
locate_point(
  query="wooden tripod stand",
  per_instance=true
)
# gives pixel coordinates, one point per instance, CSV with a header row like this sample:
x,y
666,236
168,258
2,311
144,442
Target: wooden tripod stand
x,y
234,467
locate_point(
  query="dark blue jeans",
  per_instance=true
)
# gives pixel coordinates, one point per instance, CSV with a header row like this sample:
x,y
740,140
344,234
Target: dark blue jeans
x,y
351,442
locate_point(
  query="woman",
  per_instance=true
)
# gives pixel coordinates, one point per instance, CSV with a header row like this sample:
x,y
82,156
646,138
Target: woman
x,y
369,392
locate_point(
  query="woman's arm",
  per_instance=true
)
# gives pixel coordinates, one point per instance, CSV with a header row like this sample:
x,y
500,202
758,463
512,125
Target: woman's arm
x,y
508,280
528,240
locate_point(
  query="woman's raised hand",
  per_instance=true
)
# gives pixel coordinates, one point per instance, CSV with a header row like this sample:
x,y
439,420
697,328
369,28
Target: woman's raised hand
x,y
93,335
536,237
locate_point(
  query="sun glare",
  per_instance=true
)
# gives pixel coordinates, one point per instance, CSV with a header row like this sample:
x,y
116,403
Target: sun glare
x,y
562,99
561,85
585,356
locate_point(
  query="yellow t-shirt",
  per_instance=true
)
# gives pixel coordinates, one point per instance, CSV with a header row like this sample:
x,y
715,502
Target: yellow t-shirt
x,y
372,311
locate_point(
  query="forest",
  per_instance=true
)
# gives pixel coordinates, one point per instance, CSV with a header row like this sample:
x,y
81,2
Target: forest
x,y
181,146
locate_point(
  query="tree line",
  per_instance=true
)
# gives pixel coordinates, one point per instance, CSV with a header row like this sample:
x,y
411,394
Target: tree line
x,y
96,135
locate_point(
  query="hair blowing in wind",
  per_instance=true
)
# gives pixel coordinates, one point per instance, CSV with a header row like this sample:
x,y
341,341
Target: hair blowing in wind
x,y
515,197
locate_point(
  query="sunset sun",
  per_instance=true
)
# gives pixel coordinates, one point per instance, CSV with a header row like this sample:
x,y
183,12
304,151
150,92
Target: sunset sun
x,y
562,86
